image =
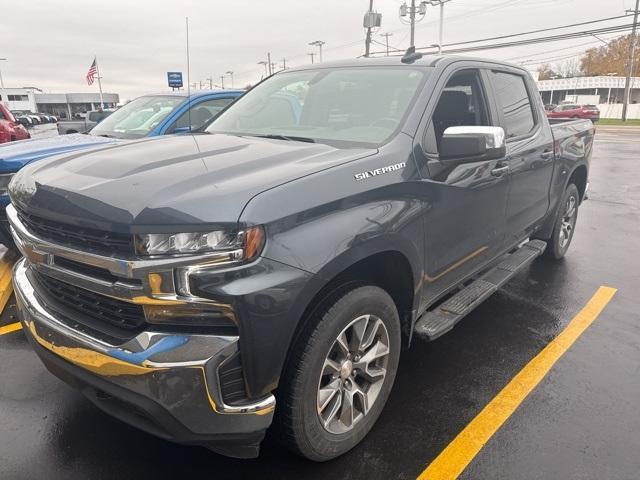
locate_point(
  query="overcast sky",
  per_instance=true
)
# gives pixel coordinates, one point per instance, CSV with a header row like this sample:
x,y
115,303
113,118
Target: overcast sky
x,y
137,41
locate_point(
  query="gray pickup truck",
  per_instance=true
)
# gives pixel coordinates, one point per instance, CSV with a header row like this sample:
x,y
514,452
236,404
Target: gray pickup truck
x,y
84,125
266,271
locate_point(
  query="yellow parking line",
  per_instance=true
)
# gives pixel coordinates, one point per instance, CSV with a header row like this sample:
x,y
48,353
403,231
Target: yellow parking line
x,y
458,454
12,327
6,287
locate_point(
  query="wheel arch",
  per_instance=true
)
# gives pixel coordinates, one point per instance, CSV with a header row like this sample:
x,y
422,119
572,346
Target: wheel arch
x,y
579,178
389,269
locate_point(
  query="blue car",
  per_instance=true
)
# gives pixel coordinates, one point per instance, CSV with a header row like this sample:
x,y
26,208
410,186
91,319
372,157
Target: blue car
x,y
146,116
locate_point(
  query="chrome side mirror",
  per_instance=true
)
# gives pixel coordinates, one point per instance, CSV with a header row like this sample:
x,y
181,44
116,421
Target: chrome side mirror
x,y
472,143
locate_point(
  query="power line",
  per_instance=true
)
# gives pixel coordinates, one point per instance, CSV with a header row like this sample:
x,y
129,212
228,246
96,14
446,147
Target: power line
x,y
501,37
554,38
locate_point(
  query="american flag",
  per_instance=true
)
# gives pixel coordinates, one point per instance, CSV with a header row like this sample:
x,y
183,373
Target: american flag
x,y
93,71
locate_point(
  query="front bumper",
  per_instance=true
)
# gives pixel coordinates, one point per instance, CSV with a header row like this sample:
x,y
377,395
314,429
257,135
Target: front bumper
x,y
163,383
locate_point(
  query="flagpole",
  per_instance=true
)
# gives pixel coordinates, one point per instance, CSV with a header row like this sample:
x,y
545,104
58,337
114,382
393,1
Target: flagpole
x,y
99,83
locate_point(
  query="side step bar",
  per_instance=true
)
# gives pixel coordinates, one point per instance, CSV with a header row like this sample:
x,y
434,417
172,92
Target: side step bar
x,y
439,321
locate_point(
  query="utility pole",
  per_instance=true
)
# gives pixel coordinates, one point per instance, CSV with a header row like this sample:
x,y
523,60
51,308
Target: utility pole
x,y
311,55
386,39
319,44
210,79
284,64
222,81
412,20
230,73
269,62
632,57
367,42
421,10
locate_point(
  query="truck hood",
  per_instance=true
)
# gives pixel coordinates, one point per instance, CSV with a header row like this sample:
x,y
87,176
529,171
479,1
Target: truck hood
x,y
16,155
173,181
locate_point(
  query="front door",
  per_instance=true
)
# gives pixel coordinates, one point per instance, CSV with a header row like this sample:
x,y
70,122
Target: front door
x,y
465,214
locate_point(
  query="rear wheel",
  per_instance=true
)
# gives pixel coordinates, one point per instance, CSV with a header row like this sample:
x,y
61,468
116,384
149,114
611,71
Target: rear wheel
x,y
565,224
340,374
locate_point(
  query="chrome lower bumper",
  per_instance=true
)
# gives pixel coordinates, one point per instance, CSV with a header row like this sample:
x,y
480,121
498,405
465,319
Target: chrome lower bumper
x,y
176,371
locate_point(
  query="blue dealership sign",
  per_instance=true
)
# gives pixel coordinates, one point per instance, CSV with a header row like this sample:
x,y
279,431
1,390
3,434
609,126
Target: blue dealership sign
x,y
174,79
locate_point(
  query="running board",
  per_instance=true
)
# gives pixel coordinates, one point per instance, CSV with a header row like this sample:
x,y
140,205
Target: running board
x,y
439,321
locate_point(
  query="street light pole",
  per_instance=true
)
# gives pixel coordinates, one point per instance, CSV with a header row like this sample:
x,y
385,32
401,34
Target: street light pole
x,y
632,53
230,73
441,3
311,55
441,27
319,44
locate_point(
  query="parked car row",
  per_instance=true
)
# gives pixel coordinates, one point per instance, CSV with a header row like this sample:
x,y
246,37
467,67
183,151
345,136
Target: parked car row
x,y
10,128
28,119
146,116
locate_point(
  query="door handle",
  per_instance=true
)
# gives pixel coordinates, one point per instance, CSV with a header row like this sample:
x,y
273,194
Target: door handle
x,y
499,171
547,155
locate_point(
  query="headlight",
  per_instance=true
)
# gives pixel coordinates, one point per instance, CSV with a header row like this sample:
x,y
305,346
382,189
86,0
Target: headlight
x,y
4,183
241,246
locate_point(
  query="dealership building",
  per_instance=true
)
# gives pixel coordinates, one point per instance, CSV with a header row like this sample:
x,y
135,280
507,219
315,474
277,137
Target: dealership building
x,y
607,92
62,105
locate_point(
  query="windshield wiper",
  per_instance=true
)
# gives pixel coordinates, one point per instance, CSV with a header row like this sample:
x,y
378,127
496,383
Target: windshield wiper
x,y
286,137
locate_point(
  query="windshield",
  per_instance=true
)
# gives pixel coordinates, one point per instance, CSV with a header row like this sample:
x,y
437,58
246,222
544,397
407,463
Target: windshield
x,y
360,106
138,117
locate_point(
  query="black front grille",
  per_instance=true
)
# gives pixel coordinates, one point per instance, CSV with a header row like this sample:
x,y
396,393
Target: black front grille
x,y
81,237
84,304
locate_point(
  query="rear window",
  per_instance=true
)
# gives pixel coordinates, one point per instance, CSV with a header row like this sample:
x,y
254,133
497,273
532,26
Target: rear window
x,y
514,100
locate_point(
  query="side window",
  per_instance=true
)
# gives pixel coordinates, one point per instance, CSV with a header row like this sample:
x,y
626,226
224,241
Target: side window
x,y
201,113
461,103
512,97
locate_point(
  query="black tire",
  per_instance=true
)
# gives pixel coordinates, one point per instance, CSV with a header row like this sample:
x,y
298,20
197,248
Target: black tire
x,y
297,422
558,244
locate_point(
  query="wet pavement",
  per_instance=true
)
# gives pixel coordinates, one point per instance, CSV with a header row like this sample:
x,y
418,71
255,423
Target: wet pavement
x,y
581,422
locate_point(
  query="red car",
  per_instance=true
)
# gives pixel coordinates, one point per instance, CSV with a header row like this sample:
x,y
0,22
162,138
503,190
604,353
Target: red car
x,y
10,130
590,112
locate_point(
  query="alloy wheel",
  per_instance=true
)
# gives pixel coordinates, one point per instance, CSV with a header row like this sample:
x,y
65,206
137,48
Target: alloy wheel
x,y
568,221
353,374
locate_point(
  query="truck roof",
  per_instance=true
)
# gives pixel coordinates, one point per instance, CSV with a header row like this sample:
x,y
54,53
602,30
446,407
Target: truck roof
x,y
395,60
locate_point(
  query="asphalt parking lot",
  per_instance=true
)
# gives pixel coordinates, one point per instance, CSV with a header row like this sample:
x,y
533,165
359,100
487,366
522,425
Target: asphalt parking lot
x,y
580,422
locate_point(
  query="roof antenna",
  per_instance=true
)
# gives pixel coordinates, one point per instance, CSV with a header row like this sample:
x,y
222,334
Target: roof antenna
x,y
188,77
411,55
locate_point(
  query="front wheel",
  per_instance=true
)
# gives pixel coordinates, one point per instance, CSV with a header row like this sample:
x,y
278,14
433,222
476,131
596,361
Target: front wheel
x,y
340,374
565,224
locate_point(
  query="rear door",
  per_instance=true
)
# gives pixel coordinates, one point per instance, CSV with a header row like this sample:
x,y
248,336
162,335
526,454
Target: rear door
x,y
465,219
529,151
